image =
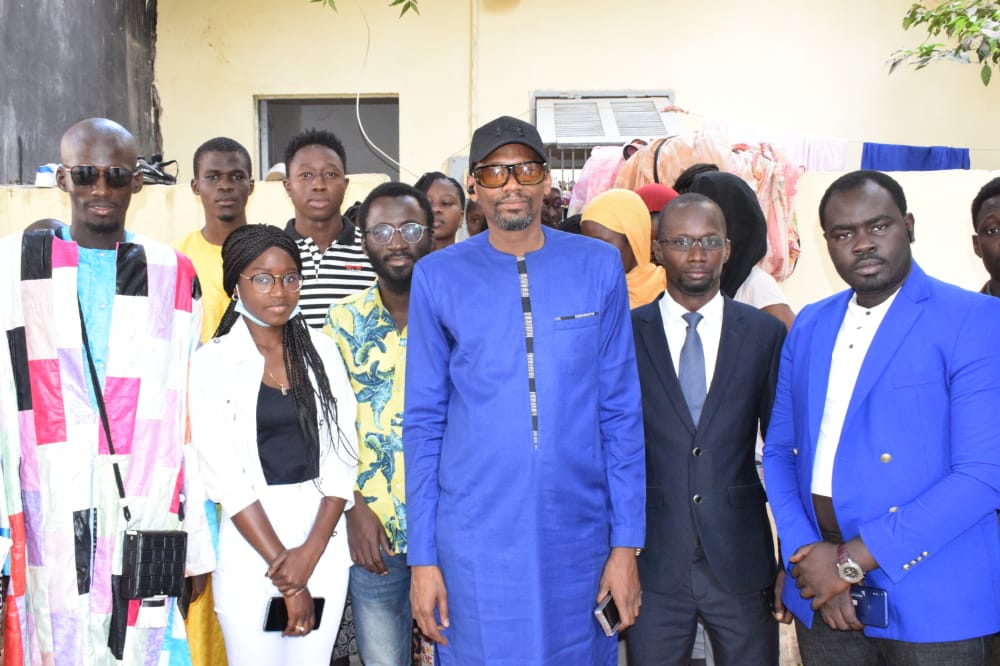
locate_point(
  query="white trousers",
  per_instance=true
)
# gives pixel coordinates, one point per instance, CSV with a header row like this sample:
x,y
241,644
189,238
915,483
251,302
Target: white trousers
x,y
242,591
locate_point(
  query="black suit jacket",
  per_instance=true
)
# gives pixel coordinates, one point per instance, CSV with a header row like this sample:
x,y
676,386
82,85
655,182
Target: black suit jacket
x,y
702,483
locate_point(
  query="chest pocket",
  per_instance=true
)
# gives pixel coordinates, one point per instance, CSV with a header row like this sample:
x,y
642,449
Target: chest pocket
x,y
576,341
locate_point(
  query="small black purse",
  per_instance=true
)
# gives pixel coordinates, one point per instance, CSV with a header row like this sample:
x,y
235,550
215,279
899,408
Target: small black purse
x,y
153,562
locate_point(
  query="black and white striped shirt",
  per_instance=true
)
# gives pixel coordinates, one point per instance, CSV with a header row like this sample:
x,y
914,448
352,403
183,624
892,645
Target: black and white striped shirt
x,y
342,270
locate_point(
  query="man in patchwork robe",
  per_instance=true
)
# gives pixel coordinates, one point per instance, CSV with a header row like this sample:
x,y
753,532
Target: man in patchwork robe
x,y
60,507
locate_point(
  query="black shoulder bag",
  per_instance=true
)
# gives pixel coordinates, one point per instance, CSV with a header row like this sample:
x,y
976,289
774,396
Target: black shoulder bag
x,y
153,562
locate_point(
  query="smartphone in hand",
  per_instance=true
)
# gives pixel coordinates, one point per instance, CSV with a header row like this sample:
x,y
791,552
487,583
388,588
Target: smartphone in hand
x,y
277,613
607,615
871,605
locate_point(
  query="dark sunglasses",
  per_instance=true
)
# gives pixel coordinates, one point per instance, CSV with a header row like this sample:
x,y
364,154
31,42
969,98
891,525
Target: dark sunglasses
x,y
496,175
86,175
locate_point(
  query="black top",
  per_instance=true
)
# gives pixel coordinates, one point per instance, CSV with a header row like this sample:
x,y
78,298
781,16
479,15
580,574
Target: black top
x,y
280,443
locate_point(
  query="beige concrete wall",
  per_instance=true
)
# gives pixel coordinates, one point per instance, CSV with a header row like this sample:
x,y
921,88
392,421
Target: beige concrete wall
x,y
803,66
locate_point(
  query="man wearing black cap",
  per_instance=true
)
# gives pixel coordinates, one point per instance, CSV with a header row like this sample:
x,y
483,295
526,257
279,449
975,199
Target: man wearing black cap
x,y
523,443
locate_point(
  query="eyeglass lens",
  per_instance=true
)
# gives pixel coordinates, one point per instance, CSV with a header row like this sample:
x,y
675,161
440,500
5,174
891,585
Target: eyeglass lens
x,y
264,282
685,243
382,233
497,175
86,175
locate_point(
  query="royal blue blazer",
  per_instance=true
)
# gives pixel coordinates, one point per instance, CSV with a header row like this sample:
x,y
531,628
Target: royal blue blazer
x,y
917,470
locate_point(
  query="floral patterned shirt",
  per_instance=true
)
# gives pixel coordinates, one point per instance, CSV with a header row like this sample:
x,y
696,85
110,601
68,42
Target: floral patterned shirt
x,y
374,352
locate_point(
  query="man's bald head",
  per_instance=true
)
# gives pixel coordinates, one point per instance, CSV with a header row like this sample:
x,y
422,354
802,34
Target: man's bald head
x,y
96,153
97,132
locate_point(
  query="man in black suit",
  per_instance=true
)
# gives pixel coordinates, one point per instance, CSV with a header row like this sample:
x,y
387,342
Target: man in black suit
x,y
708,368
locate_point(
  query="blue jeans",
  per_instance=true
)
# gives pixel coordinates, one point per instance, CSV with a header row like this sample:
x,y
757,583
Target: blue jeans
x,y
382,618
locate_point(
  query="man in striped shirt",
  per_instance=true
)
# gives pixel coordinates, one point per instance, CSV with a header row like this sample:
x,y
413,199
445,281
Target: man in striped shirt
x,y
333,261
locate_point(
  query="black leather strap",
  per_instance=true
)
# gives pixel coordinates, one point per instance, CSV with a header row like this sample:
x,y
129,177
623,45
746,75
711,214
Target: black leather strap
x,y
99,395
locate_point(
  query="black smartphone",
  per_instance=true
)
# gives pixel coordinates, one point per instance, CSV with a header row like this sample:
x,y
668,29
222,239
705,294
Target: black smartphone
x,y
607,616
871,605
277,613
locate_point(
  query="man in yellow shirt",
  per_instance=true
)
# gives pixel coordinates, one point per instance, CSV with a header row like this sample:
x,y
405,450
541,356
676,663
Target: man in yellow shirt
x,y
223,180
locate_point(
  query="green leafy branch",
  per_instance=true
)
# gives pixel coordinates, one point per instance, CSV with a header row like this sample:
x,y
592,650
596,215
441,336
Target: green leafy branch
x,y
406,5
972,28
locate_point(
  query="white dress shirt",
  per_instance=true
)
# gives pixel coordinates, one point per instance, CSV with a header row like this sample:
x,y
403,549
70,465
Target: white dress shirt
x,y
857,330
709,328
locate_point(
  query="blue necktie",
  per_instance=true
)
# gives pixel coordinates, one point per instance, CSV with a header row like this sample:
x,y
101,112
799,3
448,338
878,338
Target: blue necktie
x,y
692,367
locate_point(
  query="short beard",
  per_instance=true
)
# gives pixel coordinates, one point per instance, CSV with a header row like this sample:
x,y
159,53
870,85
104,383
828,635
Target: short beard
x,y
104,229
227,217
396,281
513,223
397,285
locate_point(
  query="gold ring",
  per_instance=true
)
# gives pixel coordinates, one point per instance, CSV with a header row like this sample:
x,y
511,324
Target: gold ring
x,y
299,628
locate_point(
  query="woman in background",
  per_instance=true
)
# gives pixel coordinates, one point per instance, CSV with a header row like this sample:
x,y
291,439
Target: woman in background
x,y
620,217
448,203
266,394
475,218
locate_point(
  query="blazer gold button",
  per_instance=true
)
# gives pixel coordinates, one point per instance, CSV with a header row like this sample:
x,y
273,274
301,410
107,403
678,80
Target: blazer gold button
x,y
885,457
795,451
906,567
696,499
925,553
696,451
893,509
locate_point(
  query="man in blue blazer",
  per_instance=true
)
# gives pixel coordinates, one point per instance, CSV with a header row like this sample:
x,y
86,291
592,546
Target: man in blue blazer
x,y
882,461
709,548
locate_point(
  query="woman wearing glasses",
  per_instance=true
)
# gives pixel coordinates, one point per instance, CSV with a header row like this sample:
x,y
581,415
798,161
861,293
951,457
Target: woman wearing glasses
x,y
265,399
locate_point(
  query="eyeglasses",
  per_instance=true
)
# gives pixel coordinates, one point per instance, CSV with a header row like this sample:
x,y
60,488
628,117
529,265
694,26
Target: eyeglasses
x,y
382,233
264,282
685,243
497,175
86,175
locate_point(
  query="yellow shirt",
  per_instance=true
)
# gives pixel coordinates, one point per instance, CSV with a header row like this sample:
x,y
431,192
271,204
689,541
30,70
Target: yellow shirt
x,y
207,260
374,352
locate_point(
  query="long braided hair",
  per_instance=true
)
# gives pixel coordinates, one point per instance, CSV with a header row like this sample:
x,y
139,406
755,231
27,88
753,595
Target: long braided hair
x,y
241,247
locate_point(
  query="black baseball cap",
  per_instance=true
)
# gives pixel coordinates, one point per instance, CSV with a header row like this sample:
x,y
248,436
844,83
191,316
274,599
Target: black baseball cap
x,y
500,132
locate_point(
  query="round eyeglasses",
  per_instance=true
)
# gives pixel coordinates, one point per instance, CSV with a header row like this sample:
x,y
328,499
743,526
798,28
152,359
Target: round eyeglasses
x,y
492,176
264,282
382,233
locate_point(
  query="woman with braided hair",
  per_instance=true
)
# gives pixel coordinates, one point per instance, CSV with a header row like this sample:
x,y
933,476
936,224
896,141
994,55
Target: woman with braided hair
x,y
265,398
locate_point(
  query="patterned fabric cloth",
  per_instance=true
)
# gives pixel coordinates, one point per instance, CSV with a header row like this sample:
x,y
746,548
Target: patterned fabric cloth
x,y
343,269
374,351
59,502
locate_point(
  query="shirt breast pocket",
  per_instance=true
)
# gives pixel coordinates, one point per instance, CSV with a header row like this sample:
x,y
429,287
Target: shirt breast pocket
x,y
576,341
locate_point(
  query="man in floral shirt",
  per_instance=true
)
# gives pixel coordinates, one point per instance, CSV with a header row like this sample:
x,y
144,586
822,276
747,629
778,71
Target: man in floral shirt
x,y
370,330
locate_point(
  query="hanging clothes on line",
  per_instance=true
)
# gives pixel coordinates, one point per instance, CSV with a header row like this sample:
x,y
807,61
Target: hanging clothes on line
x,y
893,157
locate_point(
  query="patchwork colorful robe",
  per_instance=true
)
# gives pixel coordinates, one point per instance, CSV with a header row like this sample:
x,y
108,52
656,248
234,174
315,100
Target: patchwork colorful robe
x,y
60,505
